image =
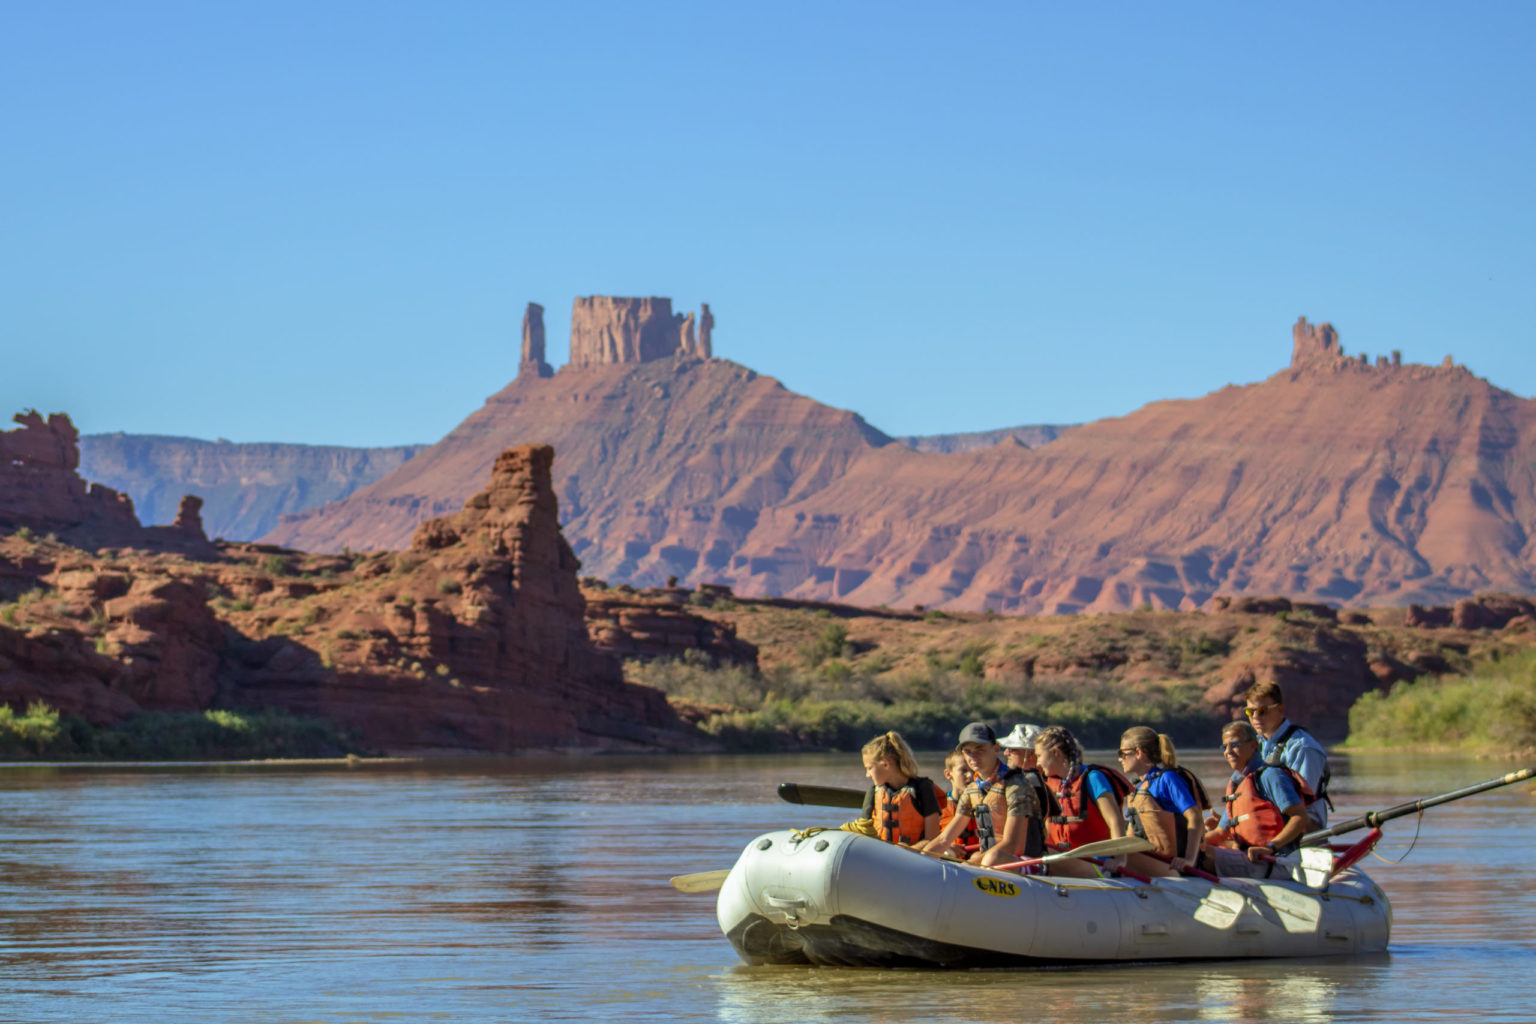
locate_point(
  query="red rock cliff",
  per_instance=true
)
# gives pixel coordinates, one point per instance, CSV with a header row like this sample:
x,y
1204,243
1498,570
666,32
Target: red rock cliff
x,y
606,329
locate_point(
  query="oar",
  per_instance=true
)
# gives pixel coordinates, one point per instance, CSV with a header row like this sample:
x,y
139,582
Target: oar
x,y
1375,818
1102,848
822,796
703,881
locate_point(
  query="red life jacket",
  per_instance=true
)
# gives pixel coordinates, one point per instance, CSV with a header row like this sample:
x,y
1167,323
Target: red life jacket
x,y
1253,818
1080,821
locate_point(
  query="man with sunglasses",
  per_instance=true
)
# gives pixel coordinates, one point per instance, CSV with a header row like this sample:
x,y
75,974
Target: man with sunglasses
x,y
1265,811
1285,743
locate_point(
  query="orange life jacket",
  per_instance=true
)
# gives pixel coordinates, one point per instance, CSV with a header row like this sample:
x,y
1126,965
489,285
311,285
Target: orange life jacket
x,y
967,837
1165,830
1253,818
897,819
1080,821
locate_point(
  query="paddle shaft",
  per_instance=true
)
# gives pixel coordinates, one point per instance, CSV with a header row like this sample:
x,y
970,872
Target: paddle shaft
x,y
1103,848
1375,818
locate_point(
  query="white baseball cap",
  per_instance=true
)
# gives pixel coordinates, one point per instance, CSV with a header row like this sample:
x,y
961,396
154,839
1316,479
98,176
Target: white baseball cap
x,y
1022,738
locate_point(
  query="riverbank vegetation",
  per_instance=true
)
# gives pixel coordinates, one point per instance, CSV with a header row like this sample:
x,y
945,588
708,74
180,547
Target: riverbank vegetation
x,y
809,708
1492,708
42,733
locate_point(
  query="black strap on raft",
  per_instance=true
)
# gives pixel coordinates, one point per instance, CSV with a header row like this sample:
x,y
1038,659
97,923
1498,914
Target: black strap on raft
x,y
1284,737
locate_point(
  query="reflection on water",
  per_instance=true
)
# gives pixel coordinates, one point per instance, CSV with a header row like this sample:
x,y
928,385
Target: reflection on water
x,y
1303,992
536,888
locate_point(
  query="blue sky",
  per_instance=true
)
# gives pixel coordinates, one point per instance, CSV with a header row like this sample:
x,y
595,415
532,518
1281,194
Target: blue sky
x,y
321,221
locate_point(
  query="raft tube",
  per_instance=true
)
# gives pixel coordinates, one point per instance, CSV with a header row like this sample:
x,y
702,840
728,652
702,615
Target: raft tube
x,y
836,898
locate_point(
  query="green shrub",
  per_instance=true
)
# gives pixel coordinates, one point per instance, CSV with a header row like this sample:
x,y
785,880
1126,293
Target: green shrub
x,y
24,533
224,734
275,565
841,707
832,643
1492,707
38,732
449,586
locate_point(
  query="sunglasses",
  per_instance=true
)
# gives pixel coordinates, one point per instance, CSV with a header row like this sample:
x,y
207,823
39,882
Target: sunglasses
x,y
1232,746
1128,753
1255,712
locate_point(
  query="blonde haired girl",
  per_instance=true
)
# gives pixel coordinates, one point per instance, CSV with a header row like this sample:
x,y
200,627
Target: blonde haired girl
x,y
904,806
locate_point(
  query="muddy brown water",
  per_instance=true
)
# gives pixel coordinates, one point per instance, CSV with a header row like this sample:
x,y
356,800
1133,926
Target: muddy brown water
x,y
536,889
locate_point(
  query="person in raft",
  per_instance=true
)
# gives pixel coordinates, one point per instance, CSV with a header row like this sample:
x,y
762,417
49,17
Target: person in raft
x,y
1161,807
999,799
1287,744
959,775
1019,752
1087,797
1266,809
903,806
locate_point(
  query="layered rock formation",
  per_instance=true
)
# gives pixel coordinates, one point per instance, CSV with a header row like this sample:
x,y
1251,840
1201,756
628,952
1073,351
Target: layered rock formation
x,y
245,487
41,492
40,488
1032,436
473,640
487,608
606,330
1316,347
708,442
1332,481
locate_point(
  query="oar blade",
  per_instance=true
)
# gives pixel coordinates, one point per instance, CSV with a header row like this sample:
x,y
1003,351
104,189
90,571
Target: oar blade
x,y
1105,848
821,796
703,881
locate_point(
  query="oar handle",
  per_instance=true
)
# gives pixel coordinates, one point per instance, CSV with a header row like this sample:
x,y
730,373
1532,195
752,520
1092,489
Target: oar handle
x,y
1375,818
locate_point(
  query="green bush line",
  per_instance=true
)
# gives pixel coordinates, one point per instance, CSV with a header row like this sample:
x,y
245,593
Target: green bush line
x,y
1493,707
806,710
42,733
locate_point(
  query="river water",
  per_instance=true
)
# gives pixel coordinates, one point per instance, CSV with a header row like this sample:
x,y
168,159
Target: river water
x,y
528,889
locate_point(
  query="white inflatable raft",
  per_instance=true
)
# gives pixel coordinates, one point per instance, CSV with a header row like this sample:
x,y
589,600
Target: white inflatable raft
x,y
838,898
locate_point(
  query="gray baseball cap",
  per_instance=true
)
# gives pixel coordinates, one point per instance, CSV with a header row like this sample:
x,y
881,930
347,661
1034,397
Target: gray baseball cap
x,y
976,732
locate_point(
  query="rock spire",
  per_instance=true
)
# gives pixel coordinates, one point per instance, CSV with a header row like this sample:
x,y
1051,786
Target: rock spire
x,y
531,361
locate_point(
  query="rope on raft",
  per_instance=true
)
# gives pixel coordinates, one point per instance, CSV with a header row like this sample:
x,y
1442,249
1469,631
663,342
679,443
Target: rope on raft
x,y
1418,827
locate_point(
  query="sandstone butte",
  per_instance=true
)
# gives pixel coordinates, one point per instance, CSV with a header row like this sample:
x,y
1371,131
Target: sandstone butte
x,y
474,639
1335,480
